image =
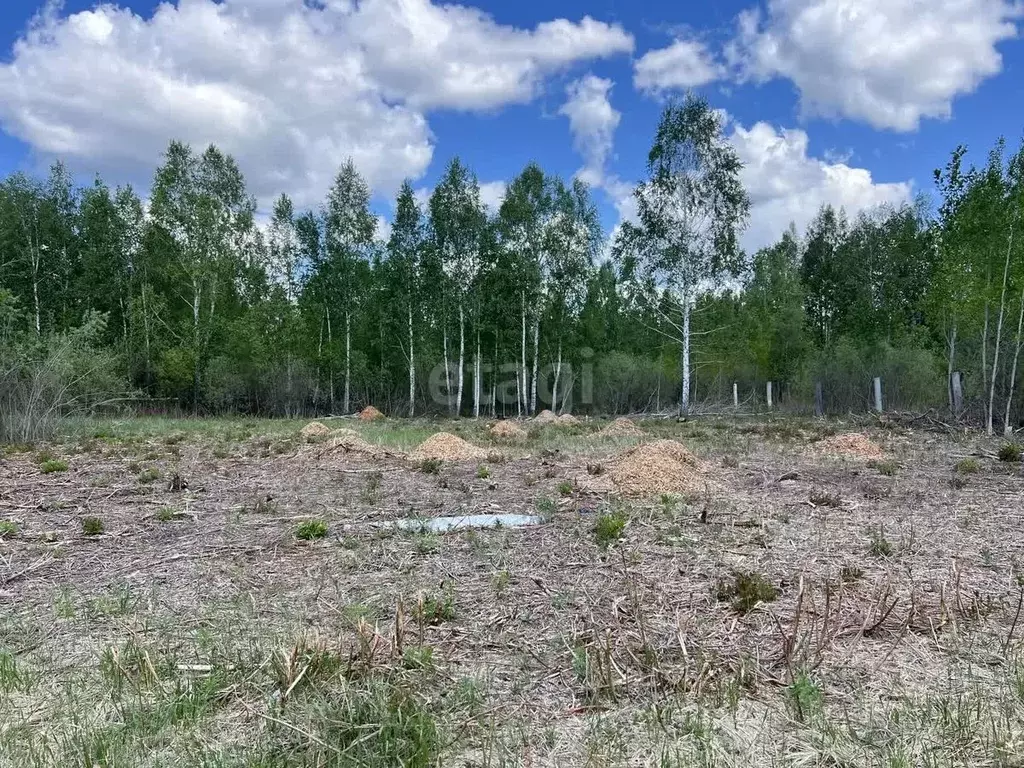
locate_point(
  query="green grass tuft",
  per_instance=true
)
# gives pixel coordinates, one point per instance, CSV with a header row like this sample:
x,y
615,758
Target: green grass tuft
x,y
311,530
609,528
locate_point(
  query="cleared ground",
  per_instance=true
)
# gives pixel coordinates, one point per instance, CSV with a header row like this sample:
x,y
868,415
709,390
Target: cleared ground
x,y
159,605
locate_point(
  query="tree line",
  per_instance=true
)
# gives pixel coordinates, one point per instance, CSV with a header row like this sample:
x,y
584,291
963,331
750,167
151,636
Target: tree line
x,y
189,298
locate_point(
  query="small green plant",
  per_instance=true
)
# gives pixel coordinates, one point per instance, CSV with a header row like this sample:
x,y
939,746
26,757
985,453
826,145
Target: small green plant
x,y
483,472
565,488
418,657
430,466
746,590
149,475
805,698
878,545
887,467
546,507
8,528
609,528
311,530
967,466
166,514
92,526
1011,452
53,465
501,579
437,609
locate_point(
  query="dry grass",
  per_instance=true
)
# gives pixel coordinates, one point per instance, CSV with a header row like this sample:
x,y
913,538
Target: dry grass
x,y
739,625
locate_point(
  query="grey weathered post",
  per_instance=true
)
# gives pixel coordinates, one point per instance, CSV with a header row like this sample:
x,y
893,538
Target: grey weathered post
x,y
735,395
819,400
768,394
956,384
878,393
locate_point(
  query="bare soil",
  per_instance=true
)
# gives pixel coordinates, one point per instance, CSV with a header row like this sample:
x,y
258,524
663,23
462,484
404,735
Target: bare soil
x,y
887,630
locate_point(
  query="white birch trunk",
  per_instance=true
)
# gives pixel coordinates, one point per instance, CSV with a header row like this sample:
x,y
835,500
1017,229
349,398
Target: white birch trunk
x,y
1007,429
476,379
950,365
684,402
558,372
447,370
348,359
536,365
989,428
330,365
521,378
462,360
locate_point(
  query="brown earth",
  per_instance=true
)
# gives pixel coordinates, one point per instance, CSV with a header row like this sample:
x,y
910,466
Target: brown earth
x,y
445,446
314,430
369,413
664,466
853,444
622,427
507,430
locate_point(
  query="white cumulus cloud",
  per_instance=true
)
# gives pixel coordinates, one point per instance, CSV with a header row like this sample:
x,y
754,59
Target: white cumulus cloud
x,y
683,64
291,88
592,122
786,185
889,63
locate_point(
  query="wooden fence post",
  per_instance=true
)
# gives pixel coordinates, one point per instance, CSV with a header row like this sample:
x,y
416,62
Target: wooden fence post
x,y
768,394
878,393
735,395
819,400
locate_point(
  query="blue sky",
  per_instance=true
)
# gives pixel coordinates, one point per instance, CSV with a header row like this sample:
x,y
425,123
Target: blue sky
x,y
850,102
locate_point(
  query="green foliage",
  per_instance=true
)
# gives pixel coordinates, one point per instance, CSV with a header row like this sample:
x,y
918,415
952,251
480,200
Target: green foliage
x,y
745,590
92,526
430,466
609,527
878,544
311,530
886,467
8,528
483,472
967,466
565,488
53,465
1011,452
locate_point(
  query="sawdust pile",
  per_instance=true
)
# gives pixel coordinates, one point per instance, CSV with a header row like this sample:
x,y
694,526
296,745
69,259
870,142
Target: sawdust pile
x,y
545,417
663,466
621,427
568,419
445,446
369,413
314,430
507,430
853,444
350,441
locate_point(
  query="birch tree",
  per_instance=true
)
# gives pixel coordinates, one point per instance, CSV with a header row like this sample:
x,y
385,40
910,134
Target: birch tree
x,y
404,254
690,210
349,229
457,221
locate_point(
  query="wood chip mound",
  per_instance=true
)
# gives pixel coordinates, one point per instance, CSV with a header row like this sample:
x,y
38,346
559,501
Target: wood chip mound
x,y
853,444
349,441
568,419
622,427
663,466
545,417
445,446
507,430
314,430
369,413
